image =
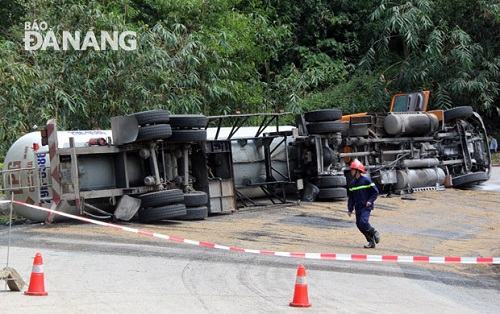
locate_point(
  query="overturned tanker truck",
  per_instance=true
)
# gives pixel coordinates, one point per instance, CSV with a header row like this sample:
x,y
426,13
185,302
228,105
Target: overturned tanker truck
x,y
154,166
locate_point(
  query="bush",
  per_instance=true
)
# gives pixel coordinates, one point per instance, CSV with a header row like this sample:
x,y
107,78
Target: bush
x,y
359,94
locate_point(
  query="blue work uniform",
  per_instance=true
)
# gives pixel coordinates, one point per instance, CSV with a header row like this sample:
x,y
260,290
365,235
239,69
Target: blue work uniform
x,y
361,191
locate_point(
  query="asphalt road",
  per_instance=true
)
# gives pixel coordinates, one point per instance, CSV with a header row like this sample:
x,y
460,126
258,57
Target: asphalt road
x,y
493,184
92,276
92,272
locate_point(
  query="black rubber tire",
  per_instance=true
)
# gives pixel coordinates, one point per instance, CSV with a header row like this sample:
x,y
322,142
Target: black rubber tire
x,y
152,117
188,121
323,115
458,112
160,213
184,136
326,127
154,132
161,198
195,213
469,179
331,193
196,198
329,181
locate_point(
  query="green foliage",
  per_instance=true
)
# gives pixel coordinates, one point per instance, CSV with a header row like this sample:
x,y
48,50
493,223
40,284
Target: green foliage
x,y
11,12
436,45
359,94
216,57
294,84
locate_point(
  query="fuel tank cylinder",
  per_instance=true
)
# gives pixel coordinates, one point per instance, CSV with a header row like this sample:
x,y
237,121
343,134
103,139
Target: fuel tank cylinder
x,y
413,124
417,178
420,163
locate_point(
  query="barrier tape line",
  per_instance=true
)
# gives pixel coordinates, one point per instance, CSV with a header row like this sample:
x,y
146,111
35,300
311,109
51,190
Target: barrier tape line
x,y
322,256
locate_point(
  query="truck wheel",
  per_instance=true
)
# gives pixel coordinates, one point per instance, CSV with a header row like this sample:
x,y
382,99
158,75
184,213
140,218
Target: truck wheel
x,y
458,112
183,136
193,121
329,181
470,179
196,198
323,115
326,127
195,213
160,213
331,193
152,117
154,132
160,198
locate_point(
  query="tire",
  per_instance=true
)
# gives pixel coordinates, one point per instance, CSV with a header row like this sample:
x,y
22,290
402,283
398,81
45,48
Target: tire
x,y
329,181
188,121
196,198
470,179
152,117
183,136
323,115
458,112
195,213
154,132
331,193
161,198
326,127
160,213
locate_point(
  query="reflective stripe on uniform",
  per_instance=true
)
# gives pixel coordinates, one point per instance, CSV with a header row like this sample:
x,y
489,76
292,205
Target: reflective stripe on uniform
x,y
361,187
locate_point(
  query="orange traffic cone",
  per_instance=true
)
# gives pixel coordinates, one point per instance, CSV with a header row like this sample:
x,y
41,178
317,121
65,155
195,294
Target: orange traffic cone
x,y
37,282
300,296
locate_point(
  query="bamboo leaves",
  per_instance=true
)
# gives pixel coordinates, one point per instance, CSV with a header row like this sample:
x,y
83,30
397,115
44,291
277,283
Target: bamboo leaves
x,y
435,52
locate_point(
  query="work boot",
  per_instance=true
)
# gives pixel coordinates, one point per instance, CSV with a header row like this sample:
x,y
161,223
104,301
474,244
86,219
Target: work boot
x,y
368,237
374,234
370,245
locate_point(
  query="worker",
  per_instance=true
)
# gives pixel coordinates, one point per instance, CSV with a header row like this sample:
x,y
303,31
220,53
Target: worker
x,y
493,144
362,193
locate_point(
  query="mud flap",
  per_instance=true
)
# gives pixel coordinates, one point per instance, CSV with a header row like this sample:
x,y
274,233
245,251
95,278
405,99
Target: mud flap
x,y
310,192
127,207
125,129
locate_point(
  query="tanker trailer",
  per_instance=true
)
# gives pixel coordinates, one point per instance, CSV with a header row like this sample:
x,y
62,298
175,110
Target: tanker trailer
x,y
27,172
141,169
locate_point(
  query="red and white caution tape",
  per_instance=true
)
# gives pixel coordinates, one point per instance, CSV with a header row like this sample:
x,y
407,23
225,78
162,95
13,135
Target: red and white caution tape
x,y
322,256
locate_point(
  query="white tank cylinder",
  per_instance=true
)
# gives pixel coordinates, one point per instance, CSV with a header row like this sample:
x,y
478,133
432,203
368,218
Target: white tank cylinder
x,y
19,171
249,165
420,163
249,160
417,178
411,124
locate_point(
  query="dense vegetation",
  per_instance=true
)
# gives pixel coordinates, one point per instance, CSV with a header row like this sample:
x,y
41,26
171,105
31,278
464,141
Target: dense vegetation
x,y
218,56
